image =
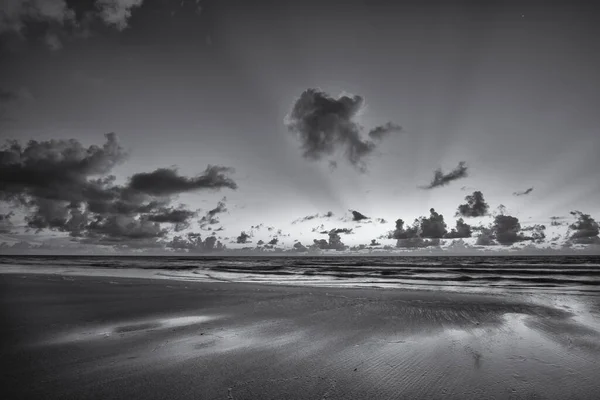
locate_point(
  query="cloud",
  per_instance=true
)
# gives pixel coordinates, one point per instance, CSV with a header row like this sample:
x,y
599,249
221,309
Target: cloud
x,y
475,206
334,242
506,230
6,225
380,132
55,169
523,193
180,217
116,12
299,247
462,230
211,216
243,238
55,19
326,125
166,181
345,231
585,229
433,227
374,242
401,233
557,221
122,228
417,242
273,241
441,179
193,243
14,14
356,216
64,186
328,214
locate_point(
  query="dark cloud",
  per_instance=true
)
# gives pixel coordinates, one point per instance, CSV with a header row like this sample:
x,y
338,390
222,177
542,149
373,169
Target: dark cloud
x,y
427,231
6,225
381,220
122,228
585,229
334,242
537,233
328,214
345,231
273,241
64,186
417,242
193,242
475,206
172,215
441,179
433,227
211,215
325,125
56,19
356,216
167,182
243,238
319,228
383,131
401,232
180,217
299,247
374,242
462,230
485,237
506,230
524,192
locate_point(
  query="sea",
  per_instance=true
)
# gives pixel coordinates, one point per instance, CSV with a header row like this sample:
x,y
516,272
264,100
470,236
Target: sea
x,y
455,273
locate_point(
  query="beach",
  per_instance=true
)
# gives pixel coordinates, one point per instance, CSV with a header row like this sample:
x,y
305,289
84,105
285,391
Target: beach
x,y
70,336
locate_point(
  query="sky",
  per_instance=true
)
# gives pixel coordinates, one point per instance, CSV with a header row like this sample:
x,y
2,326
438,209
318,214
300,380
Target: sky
x,y
247,116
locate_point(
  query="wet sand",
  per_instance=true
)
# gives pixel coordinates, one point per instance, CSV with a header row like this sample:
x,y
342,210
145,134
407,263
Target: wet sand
x,y
75,337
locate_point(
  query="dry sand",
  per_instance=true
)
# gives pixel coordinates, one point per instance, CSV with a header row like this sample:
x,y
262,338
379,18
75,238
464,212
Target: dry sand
x,y
76,337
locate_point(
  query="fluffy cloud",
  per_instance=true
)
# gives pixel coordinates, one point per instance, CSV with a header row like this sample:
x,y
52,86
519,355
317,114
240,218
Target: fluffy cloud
x,y
462,230
55,19
116,12
433,227
193,243
475,206
506,230
243,238
441,179
64,186
524,192
326,125
585,230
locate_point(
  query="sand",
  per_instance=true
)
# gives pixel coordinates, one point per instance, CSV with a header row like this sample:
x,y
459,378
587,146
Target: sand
x,y
76,337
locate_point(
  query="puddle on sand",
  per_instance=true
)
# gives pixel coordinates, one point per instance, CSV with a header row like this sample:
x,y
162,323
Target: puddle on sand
x,y
128,328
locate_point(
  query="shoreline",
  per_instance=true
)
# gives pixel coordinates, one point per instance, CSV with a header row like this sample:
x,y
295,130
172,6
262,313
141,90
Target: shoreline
x,y
129,337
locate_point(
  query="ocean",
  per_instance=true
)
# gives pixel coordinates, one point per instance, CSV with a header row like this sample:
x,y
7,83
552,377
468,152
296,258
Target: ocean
x,y
455,273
